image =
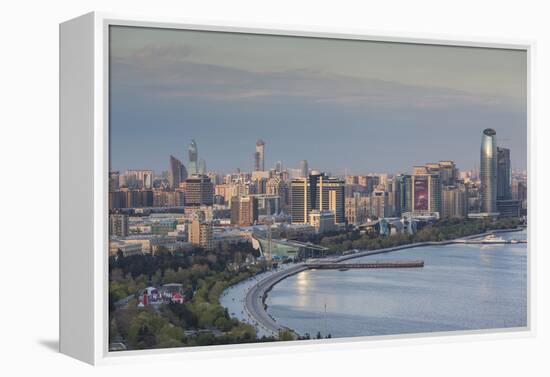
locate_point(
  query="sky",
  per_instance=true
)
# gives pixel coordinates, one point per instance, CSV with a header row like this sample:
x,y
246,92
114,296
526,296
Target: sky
x,y
343,105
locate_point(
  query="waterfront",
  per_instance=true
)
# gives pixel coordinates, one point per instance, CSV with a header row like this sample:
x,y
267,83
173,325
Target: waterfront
x,y
461,287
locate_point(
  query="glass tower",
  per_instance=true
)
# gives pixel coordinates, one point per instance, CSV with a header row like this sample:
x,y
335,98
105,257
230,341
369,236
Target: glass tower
x,y
193,158
488,171
176,172
504,174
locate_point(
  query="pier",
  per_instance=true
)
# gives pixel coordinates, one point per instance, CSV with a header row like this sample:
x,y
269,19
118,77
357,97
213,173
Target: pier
x,y
389,264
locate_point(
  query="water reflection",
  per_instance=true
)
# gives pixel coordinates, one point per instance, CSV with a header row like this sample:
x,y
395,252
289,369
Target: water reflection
x,y
460,287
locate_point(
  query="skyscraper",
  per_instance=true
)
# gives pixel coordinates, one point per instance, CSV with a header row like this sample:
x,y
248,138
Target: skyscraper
x,y
202,166
488,171
259,156
176,172
317,192
304,170
193,158
279,166
425,191
504,174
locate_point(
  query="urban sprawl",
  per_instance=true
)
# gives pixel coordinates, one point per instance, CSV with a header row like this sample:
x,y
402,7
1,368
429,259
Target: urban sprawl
x,y
276,215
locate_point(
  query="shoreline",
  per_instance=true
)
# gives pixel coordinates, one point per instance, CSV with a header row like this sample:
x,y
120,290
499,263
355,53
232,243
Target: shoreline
x,y
255,297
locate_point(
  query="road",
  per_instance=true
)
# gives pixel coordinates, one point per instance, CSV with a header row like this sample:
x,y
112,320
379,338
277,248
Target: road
x,y
254,300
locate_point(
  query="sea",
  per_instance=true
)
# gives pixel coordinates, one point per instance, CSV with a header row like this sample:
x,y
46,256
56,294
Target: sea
x,y
460,287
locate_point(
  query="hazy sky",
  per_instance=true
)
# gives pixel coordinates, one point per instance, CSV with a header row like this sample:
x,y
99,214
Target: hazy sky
x,y
364,106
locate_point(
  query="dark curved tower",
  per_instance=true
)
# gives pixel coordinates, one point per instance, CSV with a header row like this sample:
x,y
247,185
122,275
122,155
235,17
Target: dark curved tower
x,y
488,171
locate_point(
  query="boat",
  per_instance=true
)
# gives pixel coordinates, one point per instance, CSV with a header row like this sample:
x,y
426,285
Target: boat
x,y
343,269
491,238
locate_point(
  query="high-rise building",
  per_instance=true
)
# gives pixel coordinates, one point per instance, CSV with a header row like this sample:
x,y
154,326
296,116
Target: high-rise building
x,y
127,198
454,201
193,153
448,173
504,174
357,209
488,171
200,233
369,182
202,166
304,169
519,190
425,190
199,190
118,225
279,166
114,180
403,188
319,192
244,210
259,156
379,204
139,179
176,172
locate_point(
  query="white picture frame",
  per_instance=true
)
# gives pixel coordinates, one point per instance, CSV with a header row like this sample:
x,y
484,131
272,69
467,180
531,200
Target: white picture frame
x,y
84,138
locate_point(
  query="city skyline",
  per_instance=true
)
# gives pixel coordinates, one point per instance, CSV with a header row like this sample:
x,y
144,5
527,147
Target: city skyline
x,y
168,88
278,164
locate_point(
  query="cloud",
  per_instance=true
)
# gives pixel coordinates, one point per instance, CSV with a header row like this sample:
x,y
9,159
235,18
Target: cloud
x,y
172,72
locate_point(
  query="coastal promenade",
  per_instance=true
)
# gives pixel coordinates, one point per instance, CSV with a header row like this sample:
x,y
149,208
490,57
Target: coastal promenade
x,y
254,302
255,298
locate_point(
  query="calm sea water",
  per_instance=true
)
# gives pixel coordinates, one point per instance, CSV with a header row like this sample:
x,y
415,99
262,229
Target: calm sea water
x,y
461,287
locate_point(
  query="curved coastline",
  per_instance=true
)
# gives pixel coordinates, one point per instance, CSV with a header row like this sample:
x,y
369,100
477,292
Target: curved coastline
x,y
254,302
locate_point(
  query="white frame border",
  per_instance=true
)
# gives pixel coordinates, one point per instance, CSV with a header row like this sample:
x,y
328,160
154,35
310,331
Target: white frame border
x,y
102,21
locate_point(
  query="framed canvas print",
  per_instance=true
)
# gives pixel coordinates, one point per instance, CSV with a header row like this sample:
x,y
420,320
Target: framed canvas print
x,y
227,188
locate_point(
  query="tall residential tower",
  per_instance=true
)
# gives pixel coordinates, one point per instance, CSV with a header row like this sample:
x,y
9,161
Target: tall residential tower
x,y
488,171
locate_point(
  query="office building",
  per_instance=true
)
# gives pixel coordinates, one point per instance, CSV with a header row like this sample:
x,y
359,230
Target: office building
x,y
454,201
488,171
319,192
379,204
425,193
448,173
202,166
357,209
193,154
177,172
198,190
504,174
304,169
259,164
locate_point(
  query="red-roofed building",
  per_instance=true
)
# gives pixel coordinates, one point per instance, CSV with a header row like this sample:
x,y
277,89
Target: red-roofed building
x,y
177,297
